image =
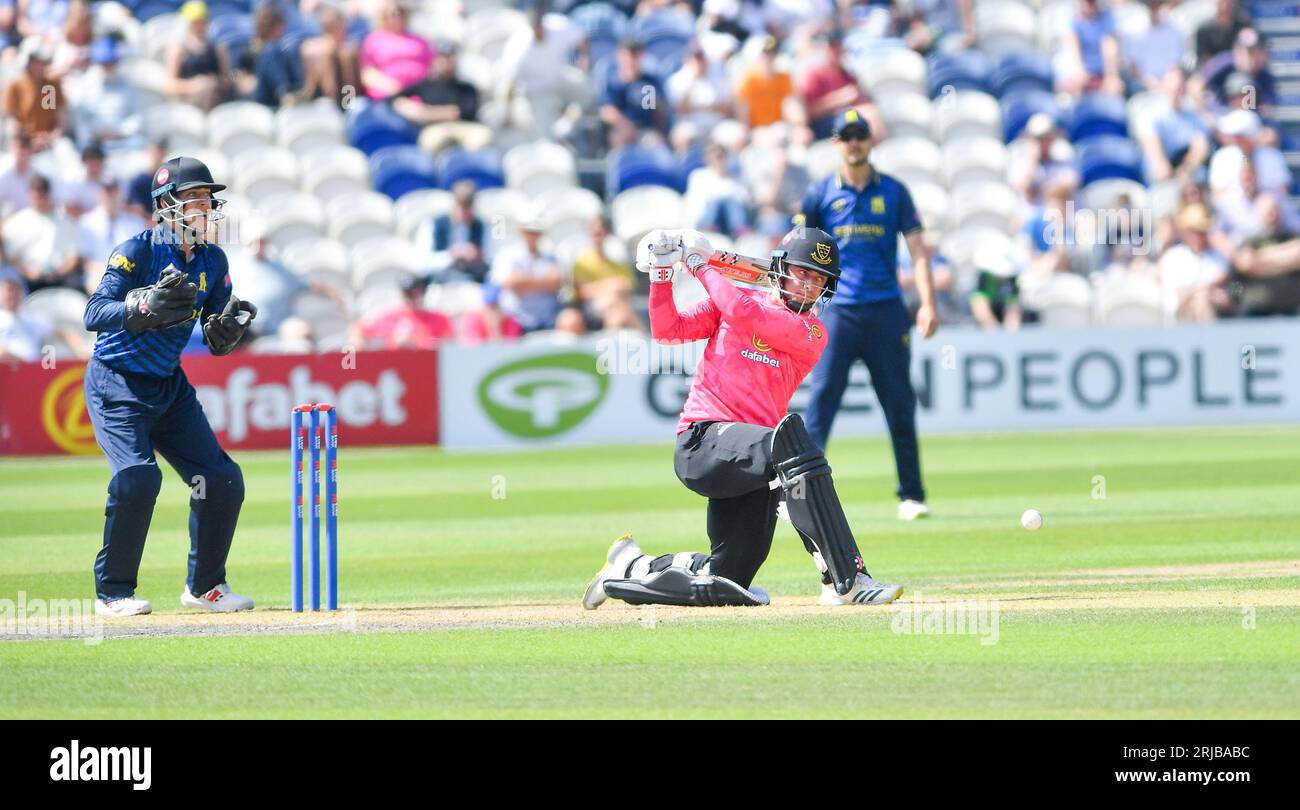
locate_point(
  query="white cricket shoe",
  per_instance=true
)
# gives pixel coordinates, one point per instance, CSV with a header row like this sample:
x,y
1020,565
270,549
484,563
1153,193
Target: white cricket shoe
x,y
126,606
218,600
621,554
912,510
866,591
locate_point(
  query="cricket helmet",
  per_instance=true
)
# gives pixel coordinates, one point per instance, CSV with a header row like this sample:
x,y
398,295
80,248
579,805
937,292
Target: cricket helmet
x,y
812,249
182,174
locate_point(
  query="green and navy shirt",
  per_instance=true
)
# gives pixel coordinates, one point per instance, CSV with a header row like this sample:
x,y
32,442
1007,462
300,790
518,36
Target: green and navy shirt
x,y
866,226
139,262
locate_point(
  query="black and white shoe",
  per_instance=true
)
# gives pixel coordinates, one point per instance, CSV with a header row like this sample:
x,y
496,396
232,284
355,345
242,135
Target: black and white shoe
x,y
865,591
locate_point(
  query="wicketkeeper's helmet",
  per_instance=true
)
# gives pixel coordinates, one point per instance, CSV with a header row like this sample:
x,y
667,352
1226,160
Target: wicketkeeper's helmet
x,y
177,175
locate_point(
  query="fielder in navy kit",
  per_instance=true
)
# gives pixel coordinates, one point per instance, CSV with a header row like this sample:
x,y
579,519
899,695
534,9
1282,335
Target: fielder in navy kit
x,y
156,286
866,211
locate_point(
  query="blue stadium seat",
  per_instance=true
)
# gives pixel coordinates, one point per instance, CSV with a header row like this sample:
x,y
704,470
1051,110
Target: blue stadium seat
x,y
1019,72
373,126
961,70
1097,114
1102,157
482,166
605,25
1018,108
396,170
234,32
640,166
692,160
222,8
146,10
665,35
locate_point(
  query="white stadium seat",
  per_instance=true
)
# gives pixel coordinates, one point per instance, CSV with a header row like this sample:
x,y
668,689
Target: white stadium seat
x,y
307,127
238,126
974,160
1061,299
642,209
386,260
967,114
417,207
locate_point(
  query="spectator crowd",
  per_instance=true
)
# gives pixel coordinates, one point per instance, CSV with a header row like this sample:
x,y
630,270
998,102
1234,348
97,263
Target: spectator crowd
x,y
404,174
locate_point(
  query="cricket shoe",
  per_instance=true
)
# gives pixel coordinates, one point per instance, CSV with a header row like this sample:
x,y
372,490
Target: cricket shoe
x,y
126,606
912,510
865,591
621,554
218,600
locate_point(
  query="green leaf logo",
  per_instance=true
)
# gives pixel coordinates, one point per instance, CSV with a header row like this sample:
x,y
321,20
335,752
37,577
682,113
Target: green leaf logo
x,y
544,396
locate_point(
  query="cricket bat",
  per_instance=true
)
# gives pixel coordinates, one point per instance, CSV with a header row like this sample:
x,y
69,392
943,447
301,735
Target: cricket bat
x,y
733,265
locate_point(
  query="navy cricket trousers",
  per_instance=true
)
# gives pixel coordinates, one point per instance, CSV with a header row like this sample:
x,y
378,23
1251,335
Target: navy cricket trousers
x,y
879,334
135,415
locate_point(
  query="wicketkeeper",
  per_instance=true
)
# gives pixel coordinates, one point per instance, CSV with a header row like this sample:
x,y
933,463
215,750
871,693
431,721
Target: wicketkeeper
x,y
157,285
736,445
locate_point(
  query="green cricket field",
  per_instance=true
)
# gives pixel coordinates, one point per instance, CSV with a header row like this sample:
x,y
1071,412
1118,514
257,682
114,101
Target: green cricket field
x,y
1165,583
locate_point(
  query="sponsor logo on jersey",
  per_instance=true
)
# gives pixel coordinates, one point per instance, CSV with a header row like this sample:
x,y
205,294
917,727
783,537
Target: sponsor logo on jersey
x,y
120,262
760,358
759,344
814,331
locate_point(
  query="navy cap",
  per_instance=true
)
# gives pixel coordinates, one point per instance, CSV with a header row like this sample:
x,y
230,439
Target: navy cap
x,y
851,122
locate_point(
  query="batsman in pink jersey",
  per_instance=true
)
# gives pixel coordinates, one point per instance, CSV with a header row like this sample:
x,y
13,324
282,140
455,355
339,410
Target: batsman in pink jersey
x,y
737,445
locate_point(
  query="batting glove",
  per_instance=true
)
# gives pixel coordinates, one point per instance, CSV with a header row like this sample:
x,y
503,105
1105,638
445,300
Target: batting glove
x,y
656,254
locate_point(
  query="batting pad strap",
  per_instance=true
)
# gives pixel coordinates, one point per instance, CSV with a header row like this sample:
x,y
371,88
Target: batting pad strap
x,y
679,587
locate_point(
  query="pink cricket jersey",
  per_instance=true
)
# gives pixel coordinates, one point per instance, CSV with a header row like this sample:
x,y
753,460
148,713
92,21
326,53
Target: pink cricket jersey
x,y
758,351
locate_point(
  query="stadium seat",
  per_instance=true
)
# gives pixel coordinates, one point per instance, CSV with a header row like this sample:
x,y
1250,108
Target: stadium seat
x,y
304,127
454,298
1054,19
1107,194
909,159
397,170
386,260
1018,108
641,166
147,11
974,159
184,126
1097,114
1127,299
238,126
61,307
483,166
822,159
1143,110
540,165
334,171
357,217
991,204
932,205
415,208
1018,72
606,27
907,115
318,259
967,114
958,70
1062,300
1105,156
665,34
1004,26
234,32
638,210
290,218
891,70
567,211
377,298
371,127
263,173
960,246
488,29
501,209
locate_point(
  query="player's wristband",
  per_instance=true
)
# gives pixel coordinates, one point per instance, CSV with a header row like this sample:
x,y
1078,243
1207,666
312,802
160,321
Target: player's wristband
x,y
661,275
